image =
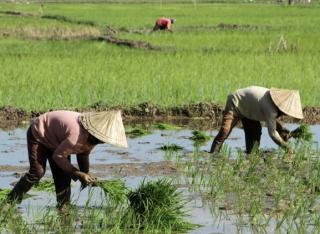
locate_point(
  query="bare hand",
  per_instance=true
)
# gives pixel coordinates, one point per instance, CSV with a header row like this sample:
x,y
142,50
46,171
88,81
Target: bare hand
x,y
290,151
85,178
285,135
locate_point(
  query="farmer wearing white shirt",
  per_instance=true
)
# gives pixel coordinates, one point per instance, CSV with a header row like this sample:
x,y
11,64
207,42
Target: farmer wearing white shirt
x,y
254,104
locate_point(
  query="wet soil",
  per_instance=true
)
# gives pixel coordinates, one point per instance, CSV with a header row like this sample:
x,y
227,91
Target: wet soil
x,y
113,169
128,43
17,13
11,117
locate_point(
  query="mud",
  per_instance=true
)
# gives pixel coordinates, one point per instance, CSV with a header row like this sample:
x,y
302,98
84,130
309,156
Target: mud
x,y
243,27
207,114
112,169
128,43
69,20
17,13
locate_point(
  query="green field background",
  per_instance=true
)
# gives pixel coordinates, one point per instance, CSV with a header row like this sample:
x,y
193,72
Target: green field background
x,y
272,45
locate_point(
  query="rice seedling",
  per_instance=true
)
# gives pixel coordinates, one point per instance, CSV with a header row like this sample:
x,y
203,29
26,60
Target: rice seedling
x,y
45,185
3,194
137,132
114,190
163,126
199,136
159,204
264,188
171,147
302,132
205,55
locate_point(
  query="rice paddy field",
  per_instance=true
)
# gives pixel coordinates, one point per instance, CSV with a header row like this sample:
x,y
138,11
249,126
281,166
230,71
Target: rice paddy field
x,y
75,54
50,56
166,182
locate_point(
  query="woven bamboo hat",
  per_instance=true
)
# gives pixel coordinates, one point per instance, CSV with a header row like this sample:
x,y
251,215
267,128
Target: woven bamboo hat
x,y
106,126
288,101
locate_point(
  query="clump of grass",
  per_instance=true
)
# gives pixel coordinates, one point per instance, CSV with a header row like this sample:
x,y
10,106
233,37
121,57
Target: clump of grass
x,y
115,190
171,147
199,136
163,126
137,131
302,132
45,185
159,204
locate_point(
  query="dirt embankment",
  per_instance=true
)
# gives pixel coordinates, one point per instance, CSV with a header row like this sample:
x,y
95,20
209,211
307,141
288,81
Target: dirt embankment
x,y
89,31
11,117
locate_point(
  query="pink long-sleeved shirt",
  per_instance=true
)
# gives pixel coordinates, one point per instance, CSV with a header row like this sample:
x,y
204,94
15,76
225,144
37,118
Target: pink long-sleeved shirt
x,y
61,132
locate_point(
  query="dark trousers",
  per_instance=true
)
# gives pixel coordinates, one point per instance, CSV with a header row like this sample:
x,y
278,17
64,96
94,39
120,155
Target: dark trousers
x,y
38,156
252,130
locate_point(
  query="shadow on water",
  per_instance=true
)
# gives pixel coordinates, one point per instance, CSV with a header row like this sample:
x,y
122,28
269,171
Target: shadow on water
x,y
143,159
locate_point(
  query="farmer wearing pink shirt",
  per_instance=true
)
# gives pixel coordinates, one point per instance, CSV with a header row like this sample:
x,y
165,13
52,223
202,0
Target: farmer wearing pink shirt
x,y
164,24
54,136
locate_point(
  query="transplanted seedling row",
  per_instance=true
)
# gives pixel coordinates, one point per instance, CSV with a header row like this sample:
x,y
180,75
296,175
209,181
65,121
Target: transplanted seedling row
x,y
154,206
265,190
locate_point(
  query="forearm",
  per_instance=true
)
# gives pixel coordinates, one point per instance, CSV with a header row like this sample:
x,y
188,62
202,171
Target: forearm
x,y
278,140
273,126
83,162
65,165
284,133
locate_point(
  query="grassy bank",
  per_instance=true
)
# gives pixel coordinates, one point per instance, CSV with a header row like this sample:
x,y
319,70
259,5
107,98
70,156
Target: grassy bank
x,y
214,50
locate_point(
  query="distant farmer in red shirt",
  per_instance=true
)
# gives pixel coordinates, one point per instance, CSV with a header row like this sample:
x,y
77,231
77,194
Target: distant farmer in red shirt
x,y
54,136
164,24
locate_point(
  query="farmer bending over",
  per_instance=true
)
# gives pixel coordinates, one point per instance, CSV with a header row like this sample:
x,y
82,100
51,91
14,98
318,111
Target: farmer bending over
x,y
164,24
54,136
254,104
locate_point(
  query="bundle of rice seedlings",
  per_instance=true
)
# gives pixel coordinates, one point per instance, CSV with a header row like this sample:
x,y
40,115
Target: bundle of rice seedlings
x,y
158,204
199,136
45,185
137,131
171,147
114,190
302,132
163,126
3,194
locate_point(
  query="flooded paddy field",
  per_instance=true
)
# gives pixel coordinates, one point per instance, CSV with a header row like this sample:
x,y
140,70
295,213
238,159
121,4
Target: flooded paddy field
x,y
215,203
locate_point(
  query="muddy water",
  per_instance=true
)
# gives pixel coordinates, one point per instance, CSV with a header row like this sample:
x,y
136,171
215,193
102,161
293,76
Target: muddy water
x,y
143,159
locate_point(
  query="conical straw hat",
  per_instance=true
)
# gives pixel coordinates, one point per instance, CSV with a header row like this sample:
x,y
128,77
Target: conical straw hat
x,y
288,101
106,126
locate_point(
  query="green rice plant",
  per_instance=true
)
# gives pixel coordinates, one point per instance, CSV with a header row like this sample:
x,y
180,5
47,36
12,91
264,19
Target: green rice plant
x,y
302,132
3,194
62,220
199,136
171,147
45,185
114,190
137,132
159,204
11,220
198,48
163,126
